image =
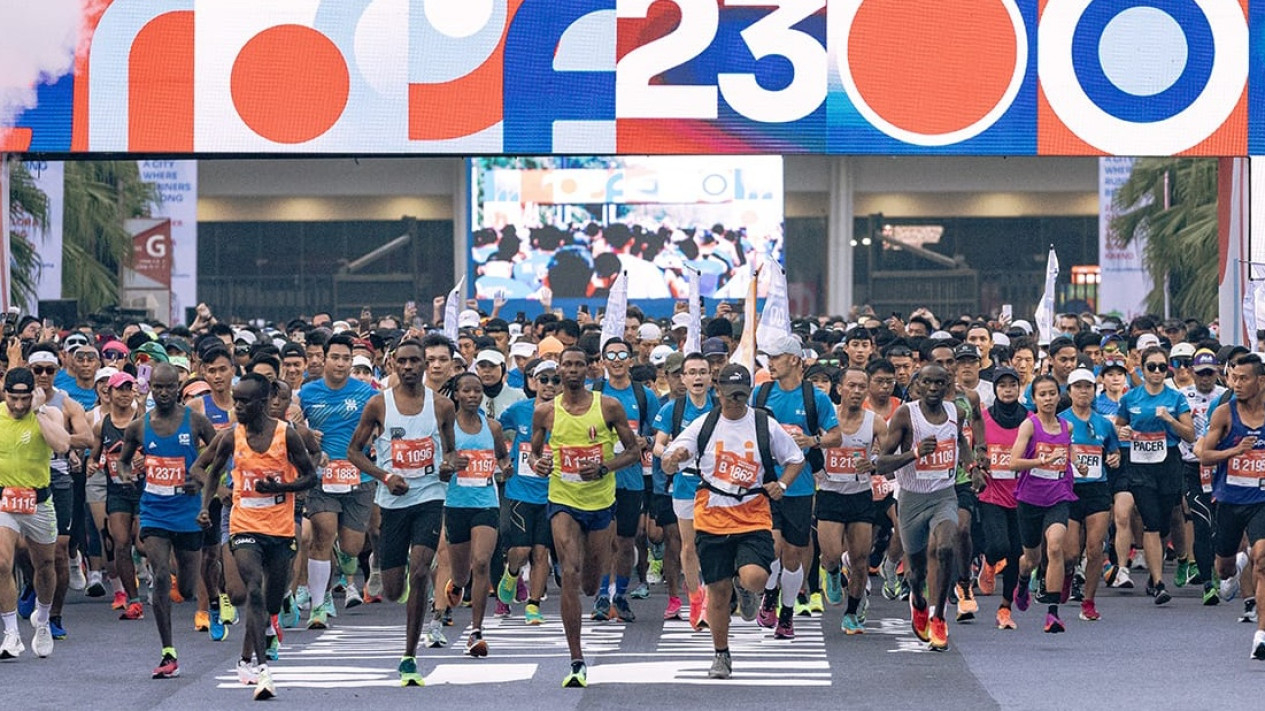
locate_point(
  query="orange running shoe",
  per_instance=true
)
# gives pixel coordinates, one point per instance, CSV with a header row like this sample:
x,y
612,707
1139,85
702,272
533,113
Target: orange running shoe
x,y
919,619
1004,620
939,634
987,579
696,609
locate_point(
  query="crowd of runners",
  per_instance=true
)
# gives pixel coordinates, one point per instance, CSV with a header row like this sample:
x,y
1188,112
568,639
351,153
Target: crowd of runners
x,y
256,471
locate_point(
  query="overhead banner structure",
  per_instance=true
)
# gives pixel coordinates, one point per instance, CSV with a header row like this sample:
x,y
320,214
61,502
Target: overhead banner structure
x,y
533,77
1125,280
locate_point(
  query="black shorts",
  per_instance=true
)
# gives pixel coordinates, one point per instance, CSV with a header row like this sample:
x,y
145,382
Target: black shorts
x,y
647,490
401,529
459,522
628,505
64,506
211,536
1233,520
1091,498
1034,520
720,557
123,500
793,518
846,508
526,525
186,541
1118,478
268,547
968,500
662,511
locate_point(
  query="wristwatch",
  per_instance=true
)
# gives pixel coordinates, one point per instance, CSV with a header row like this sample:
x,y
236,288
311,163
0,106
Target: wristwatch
x,y
782,484
603,470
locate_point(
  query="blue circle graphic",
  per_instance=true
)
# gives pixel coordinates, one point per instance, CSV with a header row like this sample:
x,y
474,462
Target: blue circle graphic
x,y
1087,61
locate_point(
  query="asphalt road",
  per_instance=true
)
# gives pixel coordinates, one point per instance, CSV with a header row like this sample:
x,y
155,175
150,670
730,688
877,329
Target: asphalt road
x,y
1138,655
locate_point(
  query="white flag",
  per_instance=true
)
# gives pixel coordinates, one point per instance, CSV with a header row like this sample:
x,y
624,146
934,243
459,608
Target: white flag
x,y
694,331
745,353
1252,296
1045,309
451,310
775,319
616,309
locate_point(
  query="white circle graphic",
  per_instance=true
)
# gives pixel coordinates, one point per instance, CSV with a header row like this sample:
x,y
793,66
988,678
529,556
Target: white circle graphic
x,y
1143,51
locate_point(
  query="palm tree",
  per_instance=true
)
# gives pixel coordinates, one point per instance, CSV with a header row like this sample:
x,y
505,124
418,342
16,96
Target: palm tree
x,y
26,200
1172,202
100,195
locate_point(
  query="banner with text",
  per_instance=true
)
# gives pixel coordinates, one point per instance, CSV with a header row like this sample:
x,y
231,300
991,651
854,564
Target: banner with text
x,y
177,182
1125,279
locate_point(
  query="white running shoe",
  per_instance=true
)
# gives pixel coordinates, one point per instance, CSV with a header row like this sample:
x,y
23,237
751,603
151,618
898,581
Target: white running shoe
x,y
12,647
78,582
1229,588
352,597
435,635
42,642
247,673
265,689
1122,579
1258,645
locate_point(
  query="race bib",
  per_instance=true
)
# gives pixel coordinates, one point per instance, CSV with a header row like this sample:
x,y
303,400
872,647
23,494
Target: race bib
x,y
841,463
1149,447
1205,478
647,461
572,459
250,499
793,430
1057,456
1247,469
524,467
940,463
413,458
1091,456
18,501
999,462
164,476
479,470
881,487
734,474
111,463
340,477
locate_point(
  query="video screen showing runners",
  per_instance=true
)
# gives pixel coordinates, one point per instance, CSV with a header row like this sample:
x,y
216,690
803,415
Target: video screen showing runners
x,y
560,229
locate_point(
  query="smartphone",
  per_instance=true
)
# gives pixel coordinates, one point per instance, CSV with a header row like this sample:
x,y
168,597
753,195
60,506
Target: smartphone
x,y
410,305
584,308
521,317
143,371
1007,312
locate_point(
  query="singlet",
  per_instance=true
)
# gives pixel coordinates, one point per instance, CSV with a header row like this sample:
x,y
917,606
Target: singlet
x,y
219,417
335,414
841,462
24,454
84,396
168,460
59,464
575,441
254,512
524,484
410,445
1047,486
475,486
892,404
1200,409
111,445
934,472
1001,476
1092,441
1240,480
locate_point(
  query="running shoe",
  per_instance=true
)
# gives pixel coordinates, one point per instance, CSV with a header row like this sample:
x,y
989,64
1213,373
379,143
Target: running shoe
x,y
228,612
133,611
1258,645
1004,620
502,610
475,645
452,594
939,635
673,610
767,617
1023,597
601,609
1229,588
578,678
801,606
919,619
1089,612
507,587
96,588
654,575
987,579
834,587
447,618
119,602
12,646
247,673
1210,596
864,610
722,666
1162,596
748,603
174,593
1053,625
1181,577
815,605
26,603
696,609
302,596
1249,610
1137,560
641,592
532,615
55,626
318,620
905,591
264,688
409,676
201,621
1078,589
352,598
373,584
435,635
167,668
341,585
967,606
622,610
78,581
273,650
891,583
42,641
522,594
785,627
851,625
216,627
291,617
329,604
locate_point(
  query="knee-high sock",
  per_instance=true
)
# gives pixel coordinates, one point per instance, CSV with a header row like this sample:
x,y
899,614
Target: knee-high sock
x,y
317,580
775,575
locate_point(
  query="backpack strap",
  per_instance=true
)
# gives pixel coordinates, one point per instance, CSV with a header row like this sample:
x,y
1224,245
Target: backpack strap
x,y
762,443
762,395
639,393
810,406
678,416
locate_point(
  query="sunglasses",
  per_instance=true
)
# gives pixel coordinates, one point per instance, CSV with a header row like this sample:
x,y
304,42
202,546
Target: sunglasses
x,y
555,380
1180,362
113,355
1156,367
43,369
618,355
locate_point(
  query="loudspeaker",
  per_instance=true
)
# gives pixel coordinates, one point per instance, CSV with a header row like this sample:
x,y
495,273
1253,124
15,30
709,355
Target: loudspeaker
x,y
64,313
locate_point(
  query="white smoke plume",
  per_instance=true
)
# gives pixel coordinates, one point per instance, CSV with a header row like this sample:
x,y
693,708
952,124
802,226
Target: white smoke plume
x,y
37,45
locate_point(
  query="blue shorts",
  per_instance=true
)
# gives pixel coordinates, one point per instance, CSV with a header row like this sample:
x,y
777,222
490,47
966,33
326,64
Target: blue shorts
x,y
589,521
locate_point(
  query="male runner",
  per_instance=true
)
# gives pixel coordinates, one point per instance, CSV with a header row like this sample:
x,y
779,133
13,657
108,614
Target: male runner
x,y
582,428
170,437
270,464
217,406
411,430
30,433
